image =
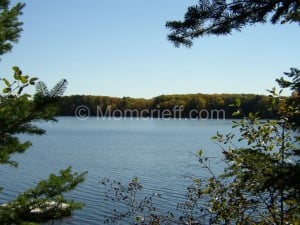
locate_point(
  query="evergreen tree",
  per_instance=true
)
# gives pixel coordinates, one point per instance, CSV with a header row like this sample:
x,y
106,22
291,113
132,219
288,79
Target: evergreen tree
x,y
19,113
10,26
221,17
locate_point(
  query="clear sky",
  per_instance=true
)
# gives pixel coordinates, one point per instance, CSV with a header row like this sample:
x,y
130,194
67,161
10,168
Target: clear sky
x,y
119,48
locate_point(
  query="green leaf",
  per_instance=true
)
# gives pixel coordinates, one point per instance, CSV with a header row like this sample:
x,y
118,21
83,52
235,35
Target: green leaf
x,y
137,219
236,113
6,90
17,71
251,115
238,102
135,180
200,152
15,68
32,80
24,79
6,82
196,181
17,77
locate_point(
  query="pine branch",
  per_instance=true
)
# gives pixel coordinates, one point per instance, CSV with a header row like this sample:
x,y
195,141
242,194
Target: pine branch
x,y
41,88
221,17
59,88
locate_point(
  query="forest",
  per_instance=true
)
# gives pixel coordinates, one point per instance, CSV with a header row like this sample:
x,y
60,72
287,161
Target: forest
x,y
189,103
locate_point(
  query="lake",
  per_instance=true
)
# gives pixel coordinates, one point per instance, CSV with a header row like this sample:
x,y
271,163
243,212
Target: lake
x,y
161,153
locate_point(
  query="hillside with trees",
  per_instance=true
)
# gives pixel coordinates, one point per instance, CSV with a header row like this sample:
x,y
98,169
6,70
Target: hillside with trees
x,y
191,104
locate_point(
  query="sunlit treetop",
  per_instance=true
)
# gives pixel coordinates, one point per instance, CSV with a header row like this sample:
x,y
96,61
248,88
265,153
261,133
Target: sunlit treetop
x,y
221,17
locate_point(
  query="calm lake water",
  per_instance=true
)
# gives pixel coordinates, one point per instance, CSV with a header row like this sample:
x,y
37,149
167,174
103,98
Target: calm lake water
x,y
162,153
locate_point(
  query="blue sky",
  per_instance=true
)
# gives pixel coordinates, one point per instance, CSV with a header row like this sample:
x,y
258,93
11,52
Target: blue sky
x,y
119,48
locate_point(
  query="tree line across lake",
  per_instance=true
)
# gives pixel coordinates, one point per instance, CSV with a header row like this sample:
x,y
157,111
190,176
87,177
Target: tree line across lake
x,y
177,105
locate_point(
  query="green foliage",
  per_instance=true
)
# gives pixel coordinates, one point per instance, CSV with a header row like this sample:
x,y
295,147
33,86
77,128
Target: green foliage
x,y
10,26
19,113
45,201
291,110
42,89
189,102
221,17
294,84
260,182
58,89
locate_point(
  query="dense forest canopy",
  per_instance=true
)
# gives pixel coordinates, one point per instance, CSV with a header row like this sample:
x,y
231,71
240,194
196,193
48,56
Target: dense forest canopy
x,y
103,105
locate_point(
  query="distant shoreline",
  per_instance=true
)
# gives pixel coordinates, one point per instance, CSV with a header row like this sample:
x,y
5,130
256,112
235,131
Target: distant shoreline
x,y
193,106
